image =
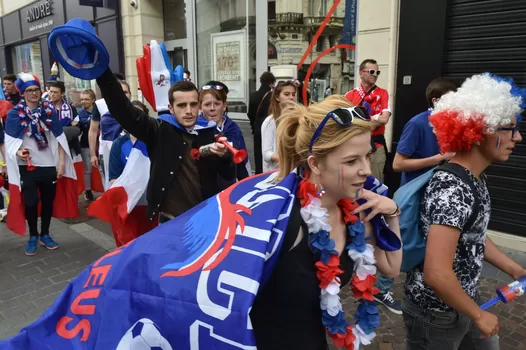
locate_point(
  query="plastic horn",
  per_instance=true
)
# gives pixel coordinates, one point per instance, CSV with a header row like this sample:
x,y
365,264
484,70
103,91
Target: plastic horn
x,y
239,154
30,166
507,293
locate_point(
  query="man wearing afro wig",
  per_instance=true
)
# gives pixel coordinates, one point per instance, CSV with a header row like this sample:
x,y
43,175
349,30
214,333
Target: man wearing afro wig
x,y
480,123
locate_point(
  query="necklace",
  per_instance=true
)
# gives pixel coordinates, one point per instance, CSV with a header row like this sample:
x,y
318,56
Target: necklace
x,y
366,319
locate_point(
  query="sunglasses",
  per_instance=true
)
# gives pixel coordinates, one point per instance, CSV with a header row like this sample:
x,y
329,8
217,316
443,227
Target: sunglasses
x,y
215,87
294,82
513,130
342,117
373,72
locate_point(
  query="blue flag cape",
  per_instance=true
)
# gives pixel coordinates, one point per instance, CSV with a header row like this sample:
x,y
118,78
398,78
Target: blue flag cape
x,y
188,284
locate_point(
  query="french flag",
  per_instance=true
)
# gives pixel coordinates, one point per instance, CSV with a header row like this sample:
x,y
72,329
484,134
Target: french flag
x,y
156,75
123,205
66,198
96,179
104,146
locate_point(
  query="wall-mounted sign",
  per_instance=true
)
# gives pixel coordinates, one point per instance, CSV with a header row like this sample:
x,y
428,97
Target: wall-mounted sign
x,y
41,17
93,3
229,63
36,12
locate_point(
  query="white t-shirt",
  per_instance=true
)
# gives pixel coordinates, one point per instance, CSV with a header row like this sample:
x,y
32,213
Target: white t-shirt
x,y
269,143
40,158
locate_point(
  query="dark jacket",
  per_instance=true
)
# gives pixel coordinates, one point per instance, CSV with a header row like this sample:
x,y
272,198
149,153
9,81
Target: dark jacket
x,y
261,99
165,146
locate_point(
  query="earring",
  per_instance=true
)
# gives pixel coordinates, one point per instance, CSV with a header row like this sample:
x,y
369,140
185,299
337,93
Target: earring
x,y
321,192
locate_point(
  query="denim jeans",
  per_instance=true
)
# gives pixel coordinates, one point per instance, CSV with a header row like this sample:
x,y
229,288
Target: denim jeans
x,y
384,283
432,330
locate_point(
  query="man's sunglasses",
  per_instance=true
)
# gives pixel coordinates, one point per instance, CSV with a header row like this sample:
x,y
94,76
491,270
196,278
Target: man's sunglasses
x,y
373,72
342,117
513,130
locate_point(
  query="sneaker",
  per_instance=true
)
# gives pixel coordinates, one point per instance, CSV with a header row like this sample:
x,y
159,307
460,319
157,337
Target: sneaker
x,y
387,300
47,241
32,246
88,195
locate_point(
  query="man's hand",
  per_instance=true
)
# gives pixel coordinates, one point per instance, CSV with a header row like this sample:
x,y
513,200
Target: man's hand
x,y
448,155
60,171
519,274
95,161
22,153
218,148
487,323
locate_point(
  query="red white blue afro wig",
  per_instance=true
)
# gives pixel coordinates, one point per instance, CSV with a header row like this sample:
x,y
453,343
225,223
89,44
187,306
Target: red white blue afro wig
x,y
479,107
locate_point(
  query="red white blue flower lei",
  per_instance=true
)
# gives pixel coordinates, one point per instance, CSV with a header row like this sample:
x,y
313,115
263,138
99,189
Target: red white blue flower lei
x,y
366,319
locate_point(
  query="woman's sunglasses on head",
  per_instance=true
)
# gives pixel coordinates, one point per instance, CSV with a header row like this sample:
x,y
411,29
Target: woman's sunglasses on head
x,y
215,87
342,117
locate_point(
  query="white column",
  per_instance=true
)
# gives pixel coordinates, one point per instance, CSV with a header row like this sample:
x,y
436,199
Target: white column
x,y
261,38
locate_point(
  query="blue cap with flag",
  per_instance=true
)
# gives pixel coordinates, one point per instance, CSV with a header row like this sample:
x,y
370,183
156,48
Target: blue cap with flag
x,y
77,48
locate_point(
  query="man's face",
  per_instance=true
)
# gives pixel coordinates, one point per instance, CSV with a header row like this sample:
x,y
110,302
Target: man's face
x,y
185,108
32,94
366,76
55,95
9,87
86,101
126,90
498,146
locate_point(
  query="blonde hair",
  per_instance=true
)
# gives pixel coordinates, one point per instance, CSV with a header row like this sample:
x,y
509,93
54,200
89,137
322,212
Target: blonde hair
x,y
297,125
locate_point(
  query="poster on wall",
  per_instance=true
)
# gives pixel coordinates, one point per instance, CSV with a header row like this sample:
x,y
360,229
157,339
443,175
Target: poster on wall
x,y
229,62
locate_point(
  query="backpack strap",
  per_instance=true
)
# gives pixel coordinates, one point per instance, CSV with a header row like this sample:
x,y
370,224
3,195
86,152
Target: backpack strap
x,y
461,172
366,94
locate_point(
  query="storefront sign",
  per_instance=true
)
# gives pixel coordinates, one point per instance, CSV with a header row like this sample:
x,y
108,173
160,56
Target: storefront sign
x,y
41,17
229,64
34,13
94,3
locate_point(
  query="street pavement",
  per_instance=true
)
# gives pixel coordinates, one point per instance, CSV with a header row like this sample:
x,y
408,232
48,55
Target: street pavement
x,y
29,285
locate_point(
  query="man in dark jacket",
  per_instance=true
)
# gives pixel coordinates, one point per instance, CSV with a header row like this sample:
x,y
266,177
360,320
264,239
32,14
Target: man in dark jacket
x,y
258,112
178,182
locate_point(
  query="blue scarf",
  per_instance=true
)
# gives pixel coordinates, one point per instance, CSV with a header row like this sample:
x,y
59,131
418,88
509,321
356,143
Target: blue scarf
x,y
200,124
35,123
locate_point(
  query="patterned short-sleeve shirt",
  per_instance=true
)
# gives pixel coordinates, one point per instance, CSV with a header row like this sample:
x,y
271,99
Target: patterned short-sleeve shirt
x,y
449,201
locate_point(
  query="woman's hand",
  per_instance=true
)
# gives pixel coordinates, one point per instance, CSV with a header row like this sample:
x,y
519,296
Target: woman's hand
x,y
377,203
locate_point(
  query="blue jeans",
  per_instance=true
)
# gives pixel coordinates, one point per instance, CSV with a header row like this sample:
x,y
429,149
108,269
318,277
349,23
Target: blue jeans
x,y
384,283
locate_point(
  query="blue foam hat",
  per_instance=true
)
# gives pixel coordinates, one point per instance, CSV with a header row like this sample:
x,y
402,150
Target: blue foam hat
x,y
77,48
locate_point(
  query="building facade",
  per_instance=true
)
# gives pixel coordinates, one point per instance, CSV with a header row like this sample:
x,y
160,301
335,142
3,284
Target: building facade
x,y
25,25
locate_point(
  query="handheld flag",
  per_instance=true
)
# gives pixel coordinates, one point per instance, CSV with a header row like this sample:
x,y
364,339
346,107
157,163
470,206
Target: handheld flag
x,y
124,204
156,75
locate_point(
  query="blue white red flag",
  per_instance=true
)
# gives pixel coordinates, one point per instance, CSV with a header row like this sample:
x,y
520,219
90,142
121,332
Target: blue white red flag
x,y
66,198
187,284
123,205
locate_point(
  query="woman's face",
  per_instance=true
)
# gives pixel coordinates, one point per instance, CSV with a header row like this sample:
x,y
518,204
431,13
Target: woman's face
x,y
86,101
213,109
287,94
346,168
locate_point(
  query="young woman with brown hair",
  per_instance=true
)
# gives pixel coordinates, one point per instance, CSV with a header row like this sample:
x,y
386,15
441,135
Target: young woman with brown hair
x,y
285,91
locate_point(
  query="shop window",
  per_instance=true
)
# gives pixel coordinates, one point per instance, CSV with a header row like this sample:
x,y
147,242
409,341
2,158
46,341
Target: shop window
x,y
225,44
174,13
27,58
75,86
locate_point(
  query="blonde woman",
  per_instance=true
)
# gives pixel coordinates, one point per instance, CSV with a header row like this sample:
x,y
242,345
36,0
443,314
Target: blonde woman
x,y
285,91
331,232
